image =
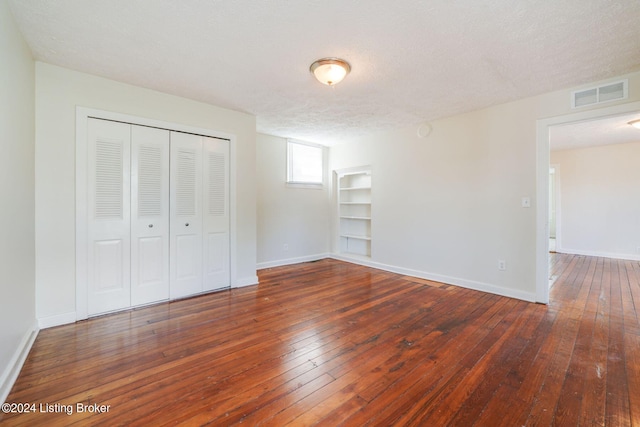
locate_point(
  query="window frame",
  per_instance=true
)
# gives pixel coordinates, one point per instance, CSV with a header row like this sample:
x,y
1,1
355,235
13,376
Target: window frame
x,y
290,182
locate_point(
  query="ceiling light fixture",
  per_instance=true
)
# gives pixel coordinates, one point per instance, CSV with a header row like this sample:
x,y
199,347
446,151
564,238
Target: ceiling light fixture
x,y
635,123
330,71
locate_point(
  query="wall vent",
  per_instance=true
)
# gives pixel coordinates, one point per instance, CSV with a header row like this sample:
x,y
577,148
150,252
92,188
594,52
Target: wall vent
x,y
597,95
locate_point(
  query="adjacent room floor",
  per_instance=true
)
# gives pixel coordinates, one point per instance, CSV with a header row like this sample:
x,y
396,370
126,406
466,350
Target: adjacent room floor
x,y
332,343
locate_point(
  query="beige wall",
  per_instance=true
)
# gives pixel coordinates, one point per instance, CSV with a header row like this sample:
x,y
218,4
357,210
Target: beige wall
x,y
599,204
58,92
296,217
17,251
448,206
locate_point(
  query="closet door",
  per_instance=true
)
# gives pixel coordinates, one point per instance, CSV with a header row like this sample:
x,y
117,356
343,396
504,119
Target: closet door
x,y
149,215
186,215
109,216
216,213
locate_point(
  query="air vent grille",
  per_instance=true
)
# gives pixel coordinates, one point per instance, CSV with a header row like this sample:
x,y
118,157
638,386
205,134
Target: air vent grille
x,y
598,95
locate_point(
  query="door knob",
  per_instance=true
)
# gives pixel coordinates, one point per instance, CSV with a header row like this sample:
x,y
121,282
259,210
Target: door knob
x,y
187,224
150,225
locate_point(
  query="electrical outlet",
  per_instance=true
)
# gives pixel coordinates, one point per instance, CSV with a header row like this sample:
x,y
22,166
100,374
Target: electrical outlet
x,y
285,247
502,265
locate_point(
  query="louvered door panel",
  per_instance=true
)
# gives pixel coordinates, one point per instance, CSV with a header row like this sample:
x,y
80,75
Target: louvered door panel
x,y
216,214
186,189
109,216
149,215
186,215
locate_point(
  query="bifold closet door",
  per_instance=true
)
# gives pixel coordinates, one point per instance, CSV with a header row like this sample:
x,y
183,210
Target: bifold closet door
x,y
149,215
108,248
185,215
158,221
199,205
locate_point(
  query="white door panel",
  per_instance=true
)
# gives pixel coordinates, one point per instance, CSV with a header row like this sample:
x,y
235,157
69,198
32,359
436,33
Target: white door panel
x,y
149,215
187,266
158,215
216,213
217,261
216,244
151,261
108,267
186,215
109,246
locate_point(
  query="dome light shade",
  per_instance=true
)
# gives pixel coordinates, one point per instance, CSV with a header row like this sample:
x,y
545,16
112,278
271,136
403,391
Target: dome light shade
x,y
330,71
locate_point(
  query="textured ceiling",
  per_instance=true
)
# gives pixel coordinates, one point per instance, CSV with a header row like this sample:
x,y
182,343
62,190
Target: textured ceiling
x,y
412,60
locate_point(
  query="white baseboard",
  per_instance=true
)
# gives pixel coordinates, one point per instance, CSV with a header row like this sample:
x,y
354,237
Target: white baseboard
x,y
289,261
12,371
57,320
630,257
463,283
245,281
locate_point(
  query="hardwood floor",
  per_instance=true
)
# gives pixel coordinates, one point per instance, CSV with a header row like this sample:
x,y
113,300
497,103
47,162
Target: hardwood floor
x,y
331,343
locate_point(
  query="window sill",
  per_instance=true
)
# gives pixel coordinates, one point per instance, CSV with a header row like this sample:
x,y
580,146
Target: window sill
x,y
310,185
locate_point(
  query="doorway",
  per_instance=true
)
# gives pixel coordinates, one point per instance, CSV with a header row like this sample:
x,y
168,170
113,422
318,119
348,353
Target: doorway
x,y
543,185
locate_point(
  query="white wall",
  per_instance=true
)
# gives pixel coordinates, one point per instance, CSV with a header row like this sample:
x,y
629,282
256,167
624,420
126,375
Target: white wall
x,y
17,251
58,92
297,217
448,206
599,200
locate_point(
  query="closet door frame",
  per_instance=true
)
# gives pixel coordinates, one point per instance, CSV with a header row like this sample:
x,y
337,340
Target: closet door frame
x,y
83,115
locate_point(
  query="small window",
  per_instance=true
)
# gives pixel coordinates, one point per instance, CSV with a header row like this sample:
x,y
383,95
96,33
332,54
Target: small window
x,y
304,163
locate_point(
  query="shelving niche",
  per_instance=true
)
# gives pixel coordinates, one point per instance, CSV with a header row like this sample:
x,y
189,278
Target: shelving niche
x,y
354,212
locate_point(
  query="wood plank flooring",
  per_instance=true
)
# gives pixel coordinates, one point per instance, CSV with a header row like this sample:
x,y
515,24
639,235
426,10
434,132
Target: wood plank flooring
x,y
331,343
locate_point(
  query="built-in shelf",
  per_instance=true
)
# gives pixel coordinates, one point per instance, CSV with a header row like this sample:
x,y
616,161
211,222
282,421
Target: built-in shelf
x,y
354,212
